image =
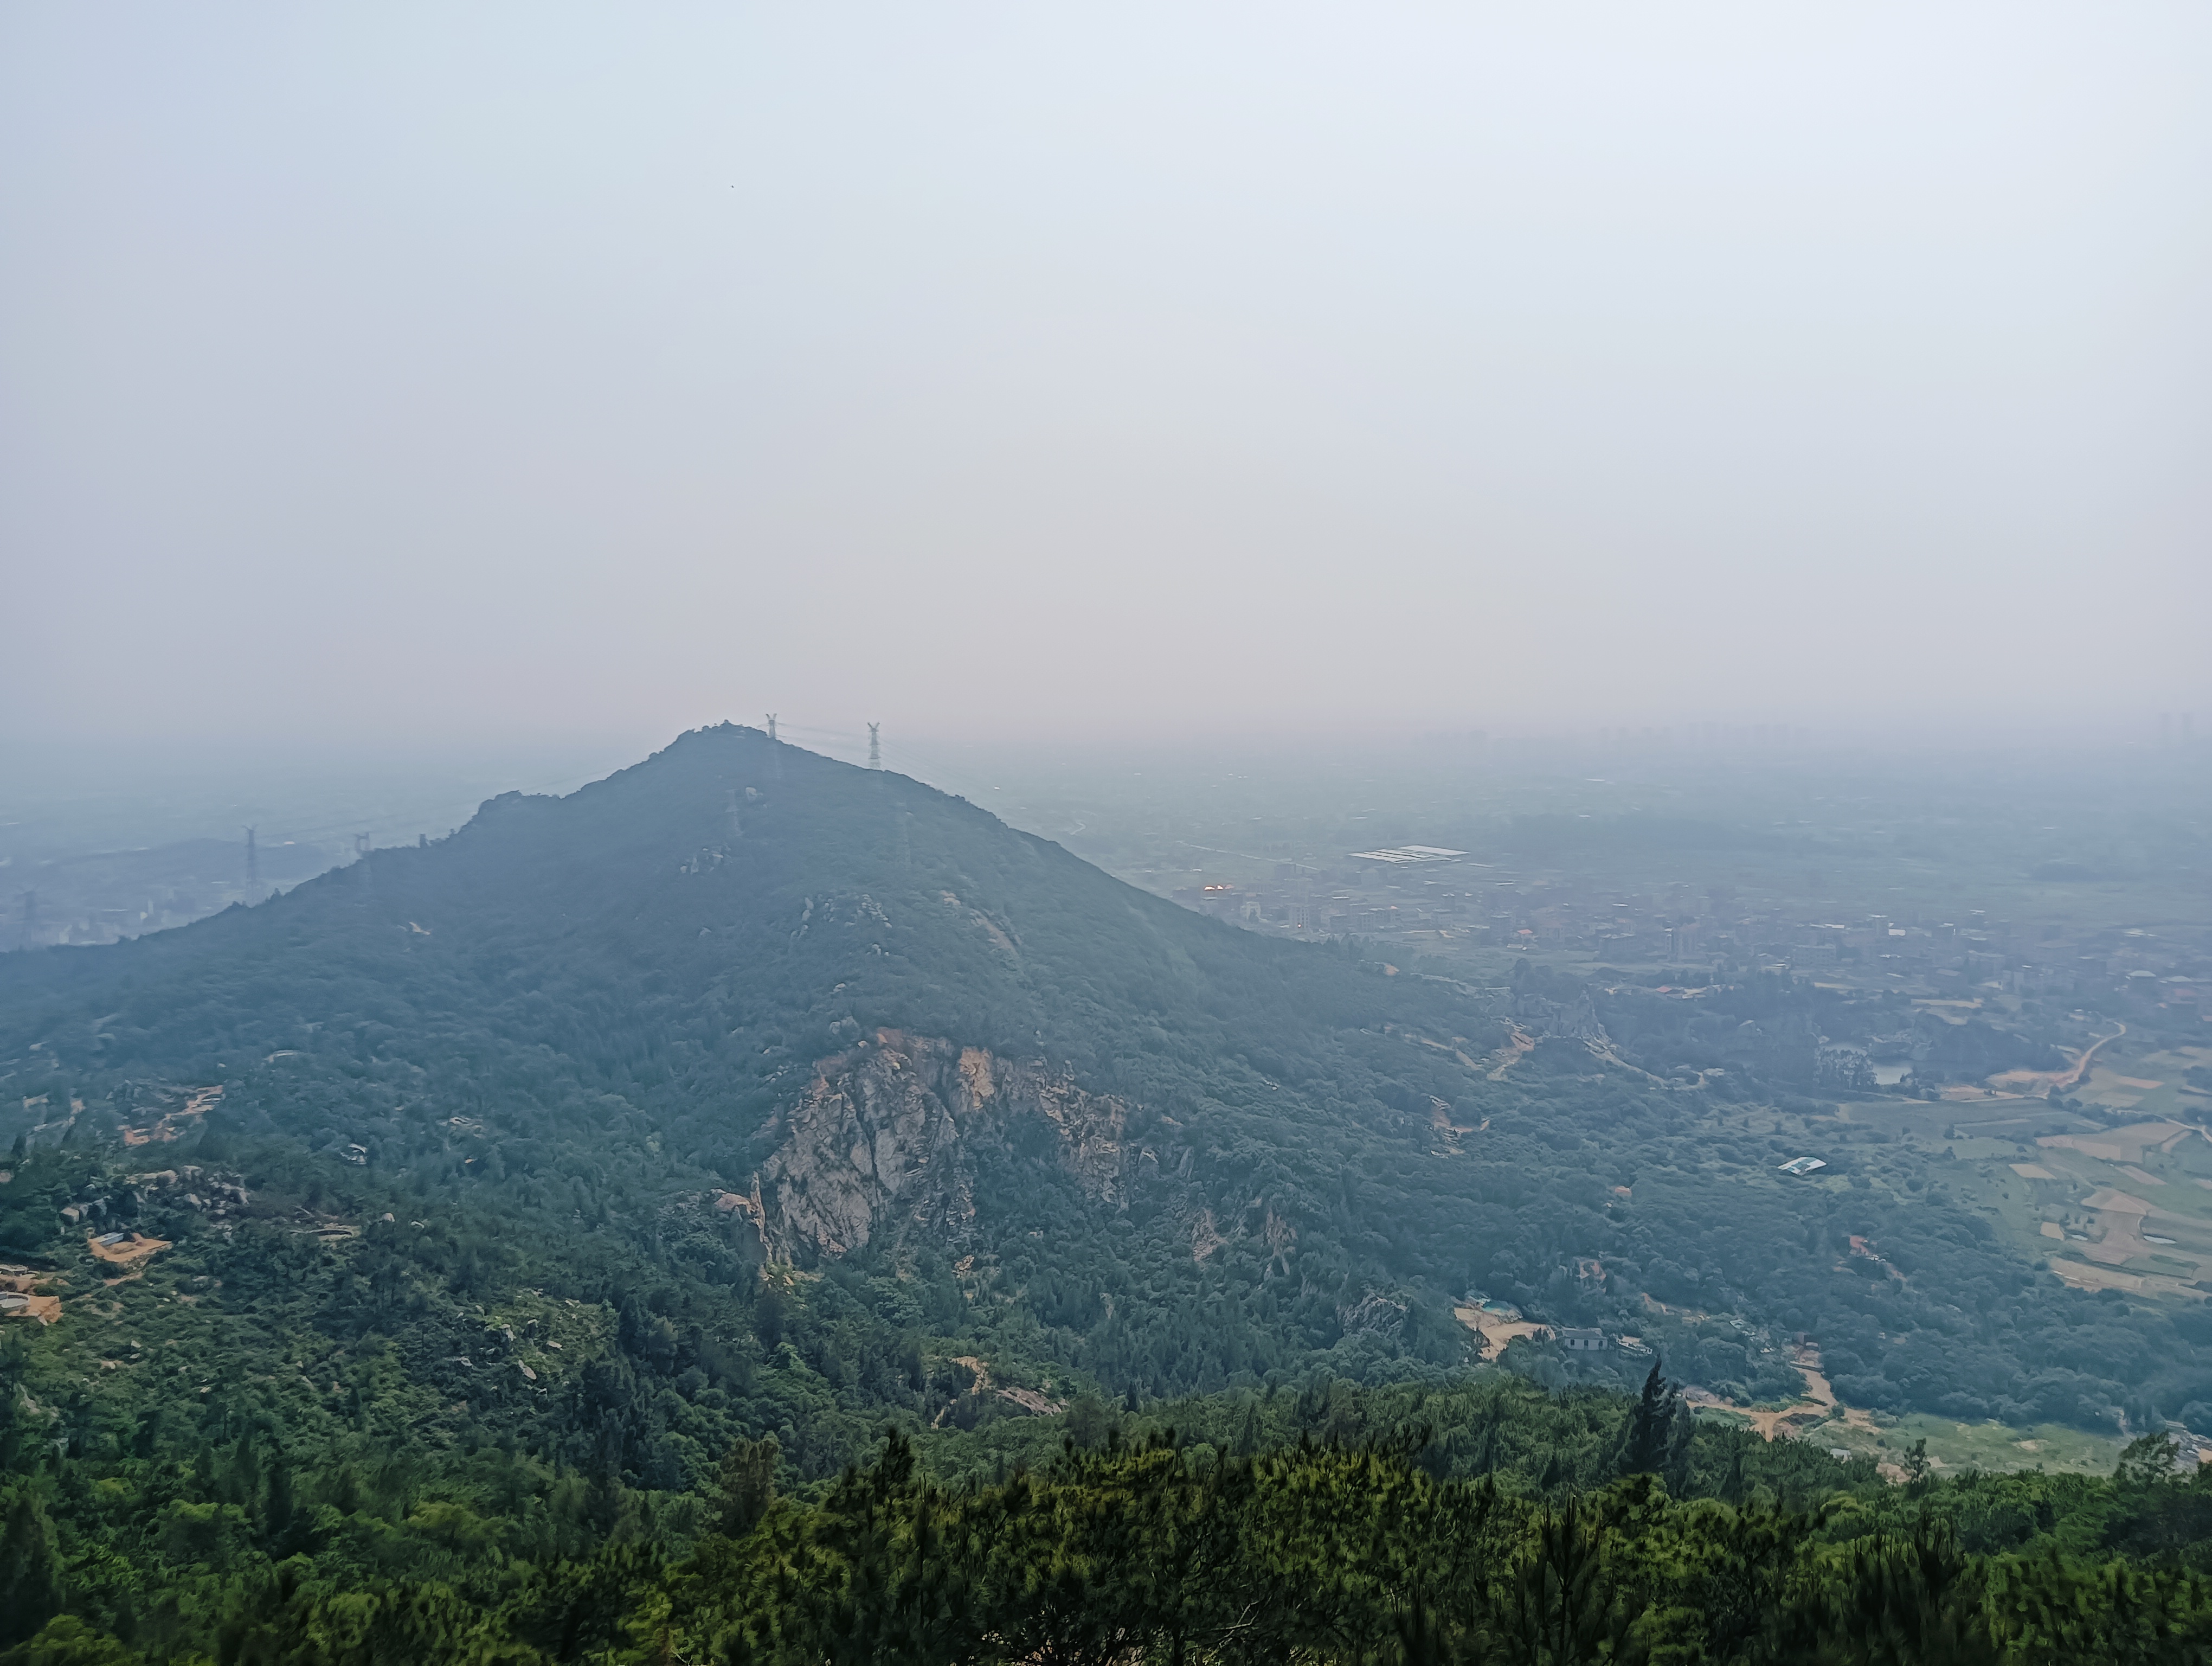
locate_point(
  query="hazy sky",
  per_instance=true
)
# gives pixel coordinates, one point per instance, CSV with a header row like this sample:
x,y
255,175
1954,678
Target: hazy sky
x,y
406,374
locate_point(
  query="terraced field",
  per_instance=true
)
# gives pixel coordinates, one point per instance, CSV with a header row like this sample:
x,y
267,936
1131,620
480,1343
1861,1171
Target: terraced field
x,y
2117,1196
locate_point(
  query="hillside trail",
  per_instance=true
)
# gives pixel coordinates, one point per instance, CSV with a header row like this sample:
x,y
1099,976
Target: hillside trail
x,y
170,1126
1819,1403
2073,1078
1517,1045
2034,1084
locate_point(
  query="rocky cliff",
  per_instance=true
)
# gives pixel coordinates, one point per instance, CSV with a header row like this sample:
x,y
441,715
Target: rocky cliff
x,y
884,1138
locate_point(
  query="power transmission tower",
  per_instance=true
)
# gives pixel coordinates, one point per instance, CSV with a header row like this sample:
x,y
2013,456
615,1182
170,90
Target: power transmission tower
x,y
875,748
252,866
771,726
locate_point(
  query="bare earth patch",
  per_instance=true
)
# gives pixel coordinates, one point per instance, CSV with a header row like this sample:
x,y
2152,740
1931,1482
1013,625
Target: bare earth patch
x,y
129,1253
1495,1329
171,1126
1518,1045
26,1301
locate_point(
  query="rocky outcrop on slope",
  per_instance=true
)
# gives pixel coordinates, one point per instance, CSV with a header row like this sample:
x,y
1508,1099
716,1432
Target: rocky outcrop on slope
x,y
884,1138
1542,1017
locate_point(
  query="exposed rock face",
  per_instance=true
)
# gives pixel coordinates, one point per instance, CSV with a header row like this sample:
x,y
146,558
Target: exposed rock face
x,y
1575,1020
882,1138
1381,1315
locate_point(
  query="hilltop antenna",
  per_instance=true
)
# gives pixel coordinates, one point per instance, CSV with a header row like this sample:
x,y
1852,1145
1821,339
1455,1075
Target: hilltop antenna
x,y
875,748
771,726
252,866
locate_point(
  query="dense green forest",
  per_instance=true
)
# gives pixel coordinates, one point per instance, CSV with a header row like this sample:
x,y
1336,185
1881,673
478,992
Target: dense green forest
x,y
1482,1520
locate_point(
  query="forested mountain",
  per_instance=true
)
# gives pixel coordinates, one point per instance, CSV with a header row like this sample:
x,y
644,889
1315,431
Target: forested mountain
x,y
886,1032
482,1202
702,973
766,1005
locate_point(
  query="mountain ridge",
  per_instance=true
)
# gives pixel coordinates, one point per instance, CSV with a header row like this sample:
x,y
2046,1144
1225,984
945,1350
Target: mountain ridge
x,y
683,980
677,958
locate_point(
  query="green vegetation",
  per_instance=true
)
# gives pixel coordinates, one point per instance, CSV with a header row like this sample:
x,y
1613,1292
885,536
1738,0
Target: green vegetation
x,y
1481,1520
576,1018
1989,1447
462,1345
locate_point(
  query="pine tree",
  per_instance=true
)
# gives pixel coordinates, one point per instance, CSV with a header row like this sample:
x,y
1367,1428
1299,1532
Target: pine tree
x,y
1732,1487
744,1485
1917,1466
1650,1426
279,1506
241,1479
30,1570
1681,1439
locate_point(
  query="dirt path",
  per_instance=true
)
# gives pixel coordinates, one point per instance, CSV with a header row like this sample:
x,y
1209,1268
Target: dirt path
x,y
168,1127
1518,1045
1495,1329
1819,1403
2073,1078
2030,1084
1029,1400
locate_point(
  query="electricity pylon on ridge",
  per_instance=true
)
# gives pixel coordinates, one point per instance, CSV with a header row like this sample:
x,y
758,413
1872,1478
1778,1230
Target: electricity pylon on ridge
x,y
875,748
771,726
